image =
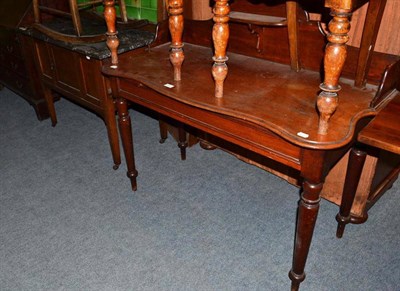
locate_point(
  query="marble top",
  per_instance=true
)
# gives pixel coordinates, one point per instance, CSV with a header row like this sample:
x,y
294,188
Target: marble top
x,y
129,38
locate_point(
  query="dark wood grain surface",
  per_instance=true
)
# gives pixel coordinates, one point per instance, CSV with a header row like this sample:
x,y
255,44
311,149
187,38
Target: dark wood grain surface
x,y
384,131
265,93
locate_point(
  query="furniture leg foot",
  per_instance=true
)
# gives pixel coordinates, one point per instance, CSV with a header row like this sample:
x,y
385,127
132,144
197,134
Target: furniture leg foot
x,y
50,106
296,280
182,144
313,173
342,221
125,129
353,174
112,131
163,131
132,176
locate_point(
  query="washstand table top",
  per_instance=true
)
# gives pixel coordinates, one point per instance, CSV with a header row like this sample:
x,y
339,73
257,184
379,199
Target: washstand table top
x,y
267,94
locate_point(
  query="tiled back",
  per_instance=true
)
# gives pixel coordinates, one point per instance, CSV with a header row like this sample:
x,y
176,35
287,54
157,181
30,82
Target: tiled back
x,y
137,9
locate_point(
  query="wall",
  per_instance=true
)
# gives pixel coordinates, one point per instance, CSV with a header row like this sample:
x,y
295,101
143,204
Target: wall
x,y
137,9
388,40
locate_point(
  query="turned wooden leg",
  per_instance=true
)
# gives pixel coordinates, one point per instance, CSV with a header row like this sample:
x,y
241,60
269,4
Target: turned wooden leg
x,y
335,56
163,130
111,125
176,56
124,122
370,32
183,143
353,174
50,105
312,172
220,35
112,34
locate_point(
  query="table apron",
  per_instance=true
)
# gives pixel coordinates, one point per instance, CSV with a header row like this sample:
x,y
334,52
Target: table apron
x,y
240,132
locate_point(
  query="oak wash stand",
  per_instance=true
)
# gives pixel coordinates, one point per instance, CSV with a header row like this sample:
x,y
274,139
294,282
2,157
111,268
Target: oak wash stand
x,y
70,64
262,106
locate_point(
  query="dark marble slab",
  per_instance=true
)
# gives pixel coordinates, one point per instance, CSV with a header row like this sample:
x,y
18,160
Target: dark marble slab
x,y
130,38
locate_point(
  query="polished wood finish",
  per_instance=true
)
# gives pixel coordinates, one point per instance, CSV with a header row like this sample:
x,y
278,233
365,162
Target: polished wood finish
x,y
292,23
17,68
256,14
124,122
247,124
256,19
335,56
372,183
313,173
257,22
366,30
266,108
112,39
353,174
382,133
79,79
176,56
220,35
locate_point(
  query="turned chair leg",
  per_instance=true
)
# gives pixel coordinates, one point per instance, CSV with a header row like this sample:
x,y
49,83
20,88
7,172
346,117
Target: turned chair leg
x,y
182,143
112,33
50,105
335,56
163,131
175,22
182,137
353,174
220,36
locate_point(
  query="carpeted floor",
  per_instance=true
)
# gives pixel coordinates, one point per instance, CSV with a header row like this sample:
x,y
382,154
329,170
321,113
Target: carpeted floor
x,y
70,222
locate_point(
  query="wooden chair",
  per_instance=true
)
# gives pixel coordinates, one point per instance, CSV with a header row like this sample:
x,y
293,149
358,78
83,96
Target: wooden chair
x,y
253,21
74,9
